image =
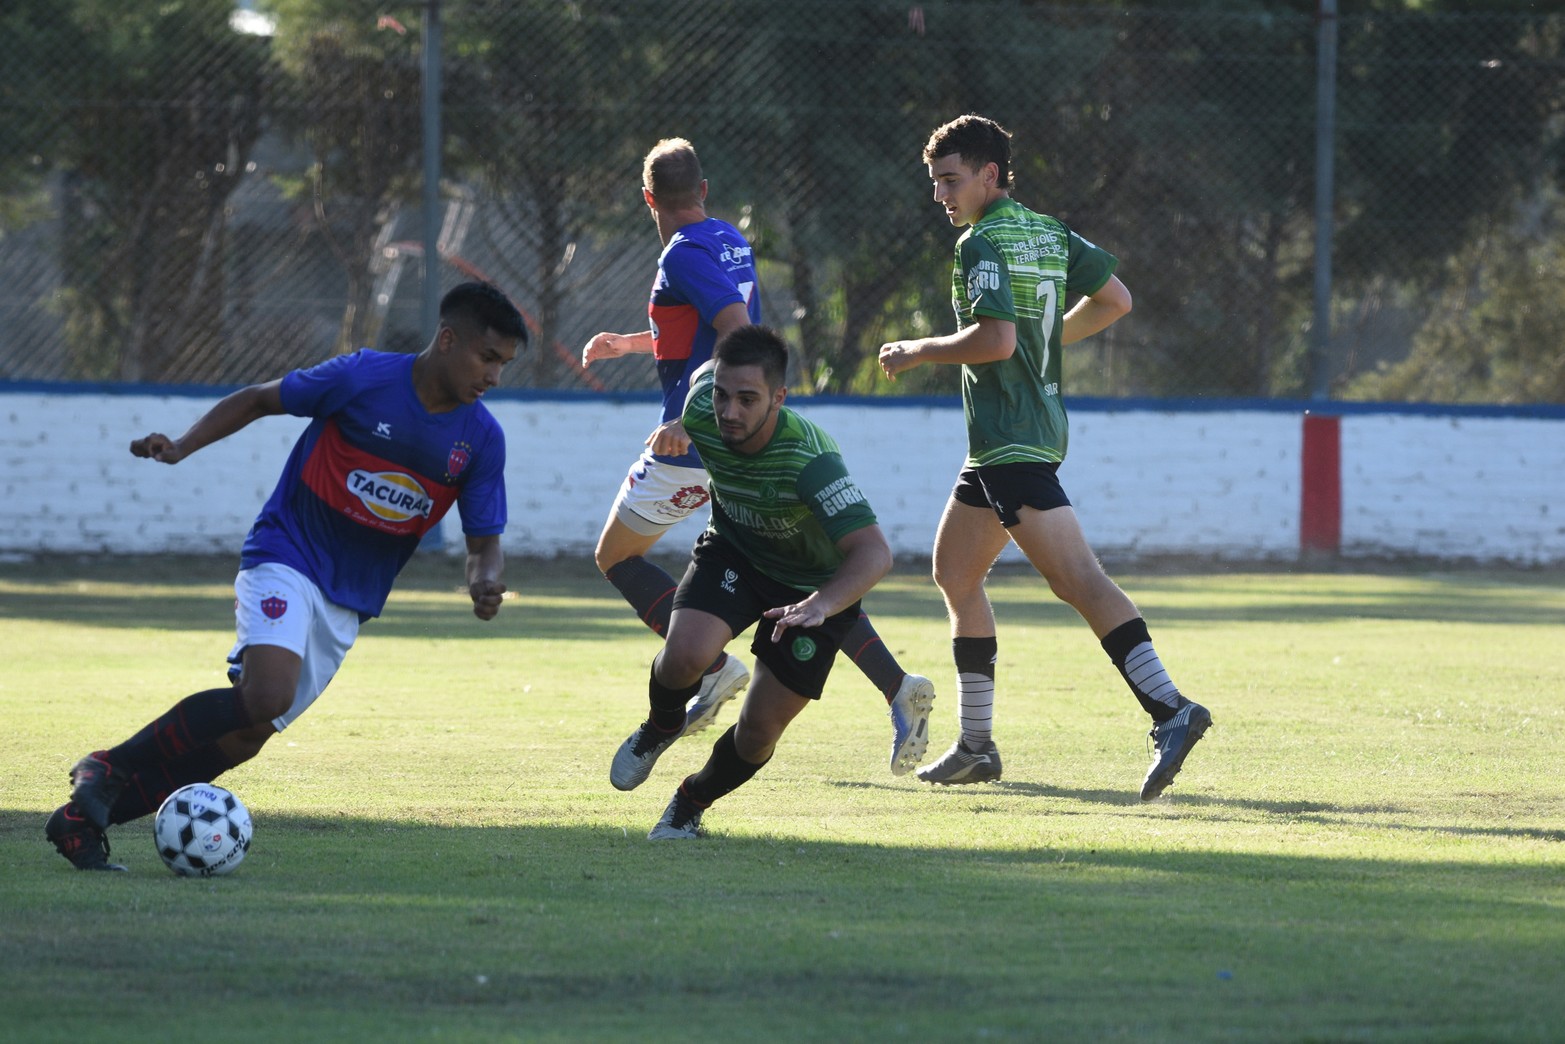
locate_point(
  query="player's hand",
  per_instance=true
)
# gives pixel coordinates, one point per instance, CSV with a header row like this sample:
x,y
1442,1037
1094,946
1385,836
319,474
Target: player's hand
x,y
159,447
898,357
602,346
669,439
487,596
805,614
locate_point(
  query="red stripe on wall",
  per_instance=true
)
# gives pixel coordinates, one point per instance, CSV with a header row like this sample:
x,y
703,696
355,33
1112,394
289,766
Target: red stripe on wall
x,y
1320,510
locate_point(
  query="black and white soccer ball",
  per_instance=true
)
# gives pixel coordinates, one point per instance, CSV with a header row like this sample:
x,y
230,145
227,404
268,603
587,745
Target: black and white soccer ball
x,y
202,830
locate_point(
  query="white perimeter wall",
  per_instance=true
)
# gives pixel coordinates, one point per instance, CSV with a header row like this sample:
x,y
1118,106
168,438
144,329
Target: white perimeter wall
x,y
1144,481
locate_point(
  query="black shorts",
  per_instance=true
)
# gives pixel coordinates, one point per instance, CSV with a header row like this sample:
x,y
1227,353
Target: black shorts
x,y
721,581
1006,487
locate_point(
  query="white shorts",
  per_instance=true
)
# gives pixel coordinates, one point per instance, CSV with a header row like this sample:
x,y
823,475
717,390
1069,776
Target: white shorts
x,y
655,495
275,604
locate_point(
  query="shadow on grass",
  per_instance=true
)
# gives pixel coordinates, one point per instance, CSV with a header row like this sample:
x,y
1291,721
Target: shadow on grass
x,y
1367,817
129,591
373,919
582,927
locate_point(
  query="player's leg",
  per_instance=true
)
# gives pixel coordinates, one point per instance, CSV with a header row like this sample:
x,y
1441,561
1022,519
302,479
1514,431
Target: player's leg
x,y
909,697
201,719
269,676
789,675
648,588
967,543
693,637
1054,543
273,603
710,607
653,499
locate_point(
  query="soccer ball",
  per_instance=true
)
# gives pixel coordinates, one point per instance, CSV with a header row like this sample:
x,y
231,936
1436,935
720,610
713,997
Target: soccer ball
x,y
202,830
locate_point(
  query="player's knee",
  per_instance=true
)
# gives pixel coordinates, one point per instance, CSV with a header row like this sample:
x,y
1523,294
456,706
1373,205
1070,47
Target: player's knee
x,y
266,698
606,559
681,665
956,584
246,743
1081,585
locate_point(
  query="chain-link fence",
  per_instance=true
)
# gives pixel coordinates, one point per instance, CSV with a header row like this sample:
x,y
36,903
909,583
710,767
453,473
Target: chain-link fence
x,y
185,199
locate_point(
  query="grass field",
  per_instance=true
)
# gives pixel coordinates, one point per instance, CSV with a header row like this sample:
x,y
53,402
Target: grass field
x,y
1369,844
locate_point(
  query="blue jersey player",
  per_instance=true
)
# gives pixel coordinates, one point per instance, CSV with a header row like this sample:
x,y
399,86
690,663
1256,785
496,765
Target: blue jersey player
x,y
705,287
394,442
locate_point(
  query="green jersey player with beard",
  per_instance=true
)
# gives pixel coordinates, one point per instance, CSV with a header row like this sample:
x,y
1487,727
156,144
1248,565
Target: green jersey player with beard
x,y
791,549
1014,270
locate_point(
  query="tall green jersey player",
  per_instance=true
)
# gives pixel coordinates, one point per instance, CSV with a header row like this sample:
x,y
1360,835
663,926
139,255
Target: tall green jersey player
x,y
1014,270
1017,267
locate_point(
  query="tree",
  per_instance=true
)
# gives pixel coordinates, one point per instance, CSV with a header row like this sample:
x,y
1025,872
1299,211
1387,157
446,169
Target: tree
x,y
352,96
151,147
544,99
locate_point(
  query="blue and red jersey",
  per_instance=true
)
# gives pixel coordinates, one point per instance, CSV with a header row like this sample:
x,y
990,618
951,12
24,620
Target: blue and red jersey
x,y
706,267
371,475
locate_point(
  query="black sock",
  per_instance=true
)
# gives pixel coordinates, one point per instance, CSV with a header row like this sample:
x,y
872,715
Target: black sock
x,y
648,589
870,655
1130,647
194,722
668,705
975,663
724,772
147,789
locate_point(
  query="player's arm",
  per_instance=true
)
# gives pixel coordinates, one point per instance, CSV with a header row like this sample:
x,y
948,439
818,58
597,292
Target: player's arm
x,y
613,345
866,560
987,340
669,438
485,563
231,413
1096,311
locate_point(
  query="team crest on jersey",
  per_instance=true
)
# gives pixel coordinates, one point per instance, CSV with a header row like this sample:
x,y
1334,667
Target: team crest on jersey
x,y
274,606
457,460
390,495
690,497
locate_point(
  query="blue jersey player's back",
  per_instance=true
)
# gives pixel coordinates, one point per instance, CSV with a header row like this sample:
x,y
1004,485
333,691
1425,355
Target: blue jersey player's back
x,y
706,266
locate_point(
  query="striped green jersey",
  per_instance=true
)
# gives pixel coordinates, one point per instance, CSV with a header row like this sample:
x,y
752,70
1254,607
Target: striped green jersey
x,y
1015,265
785,507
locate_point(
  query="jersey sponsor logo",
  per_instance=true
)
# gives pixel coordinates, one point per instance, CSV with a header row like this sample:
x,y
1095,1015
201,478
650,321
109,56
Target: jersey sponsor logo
x,y
390,495
1044,244
986,276
274,606
688,498
769,526
804,648
838,495
735,256
371,490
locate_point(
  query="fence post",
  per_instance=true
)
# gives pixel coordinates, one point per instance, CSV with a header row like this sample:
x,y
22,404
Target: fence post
x,y
1325,142
430,313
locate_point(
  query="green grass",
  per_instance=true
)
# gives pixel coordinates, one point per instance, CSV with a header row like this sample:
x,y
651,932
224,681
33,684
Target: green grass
x,y
1367,846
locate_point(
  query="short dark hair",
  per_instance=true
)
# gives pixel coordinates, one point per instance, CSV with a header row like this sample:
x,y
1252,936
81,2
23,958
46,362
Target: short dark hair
x,y
978,140
755,346
672,173
480,307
